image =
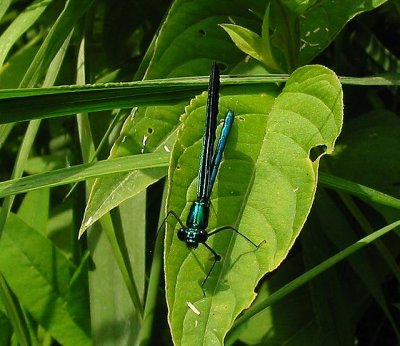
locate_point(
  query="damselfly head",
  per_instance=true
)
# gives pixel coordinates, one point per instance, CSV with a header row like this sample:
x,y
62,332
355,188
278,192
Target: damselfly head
x,y
192,236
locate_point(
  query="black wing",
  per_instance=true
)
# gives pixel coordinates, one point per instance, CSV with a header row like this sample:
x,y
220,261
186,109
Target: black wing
x,y
203,184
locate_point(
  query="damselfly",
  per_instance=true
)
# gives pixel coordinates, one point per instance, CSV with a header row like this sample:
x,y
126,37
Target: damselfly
x,y
195,230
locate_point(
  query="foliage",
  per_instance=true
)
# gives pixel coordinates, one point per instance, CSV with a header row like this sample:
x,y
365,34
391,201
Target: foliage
x,y
99,100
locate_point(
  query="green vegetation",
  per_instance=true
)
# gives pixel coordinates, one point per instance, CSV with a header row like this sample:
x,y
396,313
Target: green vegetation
x,y
101,117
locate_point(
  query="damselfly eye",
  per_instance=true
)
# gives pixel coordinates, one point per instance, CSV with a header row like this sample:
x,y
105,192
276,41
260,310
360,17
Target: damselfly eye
x,y
181,234
202,237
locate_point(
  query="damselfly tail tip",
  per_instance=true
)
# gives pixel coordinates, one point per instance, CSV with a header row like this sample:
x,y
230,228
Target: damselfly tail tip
x,y
215,68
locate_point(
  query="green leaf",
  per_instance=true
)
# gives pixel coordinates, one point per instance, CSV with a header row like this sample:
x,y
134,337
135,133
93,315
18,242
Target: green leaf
x,y
265,189
299,6
111,300
77,298
44,103
362,191
108,192
246,40
295,318
193,28
81,172
3,7
335,301
5,329
368,149
301,330
40,275
37,216
320,24
311,274
58,33
20,25
333,223
252,44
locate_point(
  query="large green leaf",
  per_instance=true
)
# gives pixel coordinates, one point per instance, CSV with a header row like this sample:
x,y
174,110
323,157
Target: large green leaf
x,y
321,23
289,321
40,277
368,150
265,189
305,31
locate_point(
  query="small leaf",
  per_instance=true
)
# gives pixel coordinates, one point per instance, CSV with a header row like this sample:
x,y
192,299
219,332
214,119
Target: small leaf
x,y
265,189
246,40
299,6
252,44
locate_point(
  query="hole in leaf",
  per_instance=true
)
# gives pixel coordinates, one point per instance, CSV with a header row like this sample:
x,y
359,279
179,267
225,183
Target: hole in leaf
x,y
149,130
317,151
202,32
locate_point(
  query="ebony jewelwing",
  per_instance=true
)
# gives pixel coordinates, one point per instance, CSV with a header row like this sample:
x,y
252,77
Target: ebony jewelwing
x,y
195,231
